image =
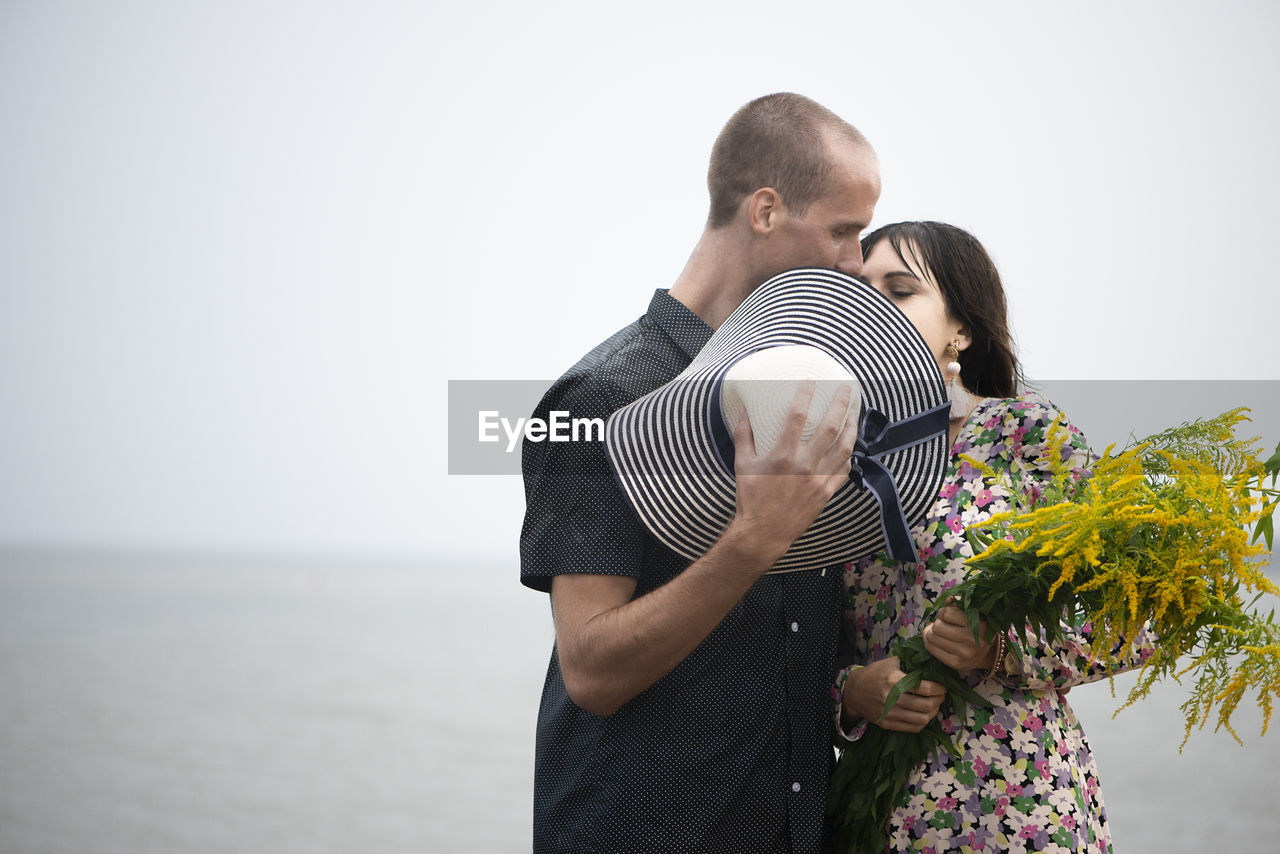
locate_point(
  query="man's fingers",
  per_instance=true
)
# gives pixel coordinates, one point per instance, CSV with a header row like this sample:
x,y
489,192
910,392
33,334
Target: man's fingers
x,y
838,454
828,432
744,442
797,415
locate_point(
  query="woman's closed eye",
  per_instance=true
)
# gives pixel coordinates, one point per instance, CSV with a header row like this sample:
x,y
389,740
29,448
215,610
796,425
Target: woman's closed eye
x,y
897,291
899,285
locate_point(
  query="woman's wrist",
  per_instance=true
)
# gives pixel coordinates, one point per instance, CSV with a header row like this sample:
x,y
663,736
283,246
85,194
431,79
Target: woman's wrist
x,y
847,712
997,657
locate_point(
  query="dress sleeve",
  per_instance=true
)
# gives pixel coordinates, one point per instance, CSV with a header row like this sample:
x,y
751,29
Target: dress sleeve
x,y
1029,425
867,583
844,736
1074,660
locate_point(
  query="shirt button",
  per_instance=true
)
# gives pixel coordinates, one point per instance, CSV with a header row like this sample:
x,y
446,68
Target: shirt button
x,y
795,627
795,787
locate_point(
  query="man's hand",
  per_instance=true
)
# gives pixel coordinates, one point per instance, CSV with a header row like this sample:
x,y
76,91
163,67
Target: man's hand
x,y
950,640
781,493
867,688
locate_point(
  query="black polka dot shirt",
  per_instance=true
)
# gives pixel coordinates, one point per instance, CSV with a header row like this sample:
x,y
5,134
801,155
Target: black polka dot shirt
x,y
731,750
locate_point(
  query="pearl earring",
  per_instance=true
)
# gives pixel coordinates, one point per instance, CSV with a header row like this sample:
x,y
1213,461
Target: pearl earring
x,y
960,402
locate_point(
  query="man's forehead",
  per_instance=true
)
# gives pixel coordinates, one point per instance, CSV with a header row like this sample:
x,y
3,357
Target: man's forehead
x,y
859,170
842,143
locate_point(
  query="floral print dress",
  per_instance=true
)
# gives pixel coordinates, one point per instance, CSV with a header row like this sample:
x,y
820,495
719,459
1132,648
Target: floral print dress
x,y
1026,780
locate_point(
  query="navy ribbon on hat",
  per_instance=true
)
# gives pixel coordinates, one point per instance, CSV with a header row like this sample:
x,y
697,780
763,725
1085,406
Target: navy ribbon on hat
x,y
877,437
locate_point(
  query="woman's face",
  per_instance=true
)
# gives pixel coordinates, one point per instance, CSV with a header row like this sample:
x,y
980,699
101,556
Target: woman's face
x,y
912,289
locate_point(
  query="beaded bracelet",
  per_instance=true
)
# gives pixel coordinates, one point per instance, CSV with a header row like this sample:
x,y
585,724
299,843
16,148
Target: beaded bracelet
x,y
999,658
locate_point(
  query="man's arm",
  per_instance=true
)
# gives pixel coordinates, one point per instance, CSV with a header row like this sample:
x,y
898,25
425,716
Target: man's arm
x,y
612,647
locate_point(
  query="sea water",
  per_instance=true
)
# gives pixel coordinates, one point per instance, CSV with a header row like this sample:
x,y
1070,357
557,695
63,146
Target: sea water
x,y
152,704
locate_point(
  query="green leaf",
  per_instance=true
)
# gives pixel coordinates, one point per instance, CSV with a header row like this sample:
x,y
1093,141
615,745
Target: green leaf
x,y
1265,529
910,682
974,618
1272,465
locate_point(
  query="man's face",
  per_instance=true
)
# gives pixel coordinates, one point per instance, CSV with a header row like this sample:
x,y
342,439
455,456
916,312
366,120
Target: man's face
x,y
827,234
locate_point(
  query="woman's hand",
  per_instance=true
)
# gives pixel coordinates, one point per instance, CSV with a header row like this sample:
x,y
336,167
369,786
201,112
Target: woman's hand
x,y
950,640
867,687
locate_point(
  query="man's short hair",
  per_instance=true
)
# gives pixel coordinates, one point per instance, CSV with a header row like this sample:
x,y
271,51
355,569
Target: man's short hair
x,y
774,141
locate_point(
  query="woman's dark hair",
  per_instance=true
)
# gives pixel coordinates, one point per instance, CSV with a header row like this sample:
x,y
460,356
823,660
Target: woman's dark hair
x,y
973,294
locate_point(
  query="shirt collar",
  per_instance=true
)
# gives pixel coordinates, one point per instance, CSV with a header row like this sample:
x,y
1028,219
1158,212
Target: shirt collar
x,y
689,332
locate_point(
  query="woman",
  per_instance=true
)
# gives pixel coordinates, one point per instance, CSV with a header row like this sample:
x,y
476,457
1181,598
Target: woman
x,y
1026,780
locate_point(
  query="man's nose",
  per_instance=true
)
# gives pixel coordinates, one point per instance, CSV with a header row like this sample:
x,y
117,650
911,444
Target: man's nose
x,y
850,263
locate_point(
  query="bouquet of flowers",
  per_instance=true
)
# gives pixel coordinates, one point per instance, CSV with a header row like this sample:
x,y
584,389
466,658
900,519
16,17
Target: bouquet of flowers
x,y
1158,536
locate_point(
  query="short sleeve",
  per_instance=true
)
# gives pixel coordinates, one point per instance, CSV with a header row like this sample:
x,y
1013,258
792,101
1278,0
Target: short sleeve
x,y
576,518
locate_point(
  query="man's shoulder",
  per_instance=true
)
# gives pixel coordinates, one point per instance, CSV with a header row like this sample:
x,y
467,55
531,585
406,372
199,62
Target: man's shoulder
x,y
576,520
612,355
593,381
626,365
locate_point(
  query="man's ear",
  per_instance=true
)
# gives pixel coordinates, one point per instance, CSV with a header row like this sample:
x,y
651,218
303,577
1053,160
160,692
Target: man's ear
x,y
764,209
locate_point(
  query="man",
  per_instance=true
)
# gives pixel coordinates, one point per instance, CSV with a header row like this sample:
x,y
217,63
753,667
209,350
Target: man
x,y
684,706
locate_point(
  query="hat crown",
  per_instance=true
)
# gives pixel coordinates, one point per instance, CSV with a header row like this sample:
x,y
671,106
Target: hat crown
x,y
764,383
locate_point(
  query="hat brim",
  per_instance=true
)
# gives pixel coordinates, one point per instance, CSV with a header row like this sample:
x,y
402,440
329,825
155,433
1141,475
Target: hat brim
x,y
672,454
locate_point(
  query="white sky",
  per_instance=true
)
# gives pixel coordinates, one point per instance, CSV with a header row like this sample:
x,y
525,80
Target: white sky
x,y
244,246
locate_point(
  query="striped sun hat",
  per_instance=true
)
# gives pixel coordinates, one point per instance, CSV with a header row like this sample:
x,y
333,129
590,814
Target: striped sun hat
x,y
672,450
